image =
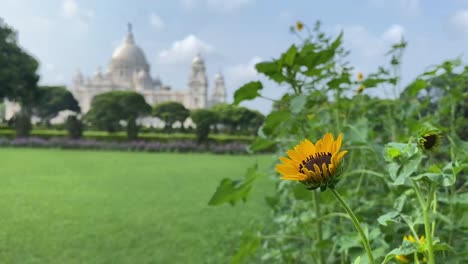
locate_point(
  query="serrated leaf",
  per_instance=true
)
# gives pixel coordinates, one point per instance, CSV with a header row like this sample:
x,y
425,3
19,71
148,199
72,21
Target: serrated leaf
x,y
388,217
405,249
232,191
248,91
416,86
290,56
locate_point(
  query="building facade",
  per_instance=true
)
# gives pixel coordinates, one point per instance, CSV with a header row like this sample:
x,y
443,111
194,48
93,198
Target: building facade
x,y
129,70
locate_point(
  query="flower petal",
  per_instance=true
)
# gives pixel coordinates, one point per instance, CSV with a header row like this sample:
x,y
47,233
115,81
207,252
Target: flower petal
x,y
285,169
327,142
337,144
295,155
294,177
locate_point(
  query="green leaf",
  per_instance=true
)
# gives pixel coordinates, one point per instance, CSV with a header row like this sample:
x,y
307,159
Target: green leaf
x,y
373,82
260,144
446,177
297,103
357,260
230,191
404,160
358,132
248,91
414,88
249,244
335,83
267,68
313,72
290,55
405,249
271,69
274,119
388,217
301,192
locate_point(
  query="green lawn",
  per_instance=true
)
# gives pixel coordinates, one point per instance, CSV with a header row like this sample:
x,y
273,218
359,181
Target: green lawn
x,y
61,206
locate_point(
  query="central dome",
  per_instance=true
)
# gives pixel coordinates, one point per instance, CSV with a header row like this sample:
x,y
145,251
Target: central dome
x,y
128,57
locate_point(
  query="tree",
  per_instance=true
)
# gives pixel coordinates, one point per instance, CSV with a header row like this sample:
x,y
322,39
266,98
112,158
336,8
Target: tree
x,y
171,112
238,117
251,120
18,77
22,123
203,118
74,127
52,100
108,109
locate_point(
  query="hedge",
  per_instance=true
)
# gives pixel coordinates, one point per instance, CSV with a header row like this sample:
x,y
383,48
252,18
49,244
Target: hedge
x,y
122,137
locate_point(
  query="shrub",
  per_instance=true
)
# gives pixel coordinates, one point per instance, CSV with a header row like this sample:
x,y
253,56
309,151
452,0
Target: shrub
x,y
74,127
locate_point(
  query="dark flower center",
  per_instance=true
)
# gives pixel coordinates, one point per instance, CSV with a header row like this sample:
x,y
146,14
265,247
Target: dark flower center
x,y
429,141
319,159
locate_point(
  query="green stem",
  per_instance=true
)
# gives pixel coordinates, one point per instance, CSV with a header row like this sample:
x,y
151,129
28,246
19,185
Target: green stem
x,y
426,207
319,224
428,226
356,223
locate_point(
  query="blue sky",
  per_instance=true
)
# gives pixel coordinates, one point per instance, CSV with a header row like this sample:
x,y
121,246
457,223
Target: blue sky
x,y
232,35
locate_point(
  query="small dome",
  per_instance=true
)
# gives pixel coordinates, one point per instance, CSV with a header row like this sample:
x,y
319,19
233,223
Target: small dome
x,y
128,56
98,73
218,76
198,59
78,77
157,81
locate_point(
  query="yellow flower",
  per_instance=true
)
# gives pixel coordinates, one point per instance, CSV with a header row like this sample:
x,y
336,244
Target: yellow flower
x,y
360,76
429,140
315,165
360,89
299,26
411,239
402,259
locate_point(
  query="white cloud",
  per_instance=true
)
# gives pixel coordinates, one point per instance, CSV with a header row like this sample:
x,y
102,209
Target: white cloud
x,y
220,5
409,7
460,20
227,5
394,33
367,44
361,41
183,51
79,16
70,8
243,73
156,22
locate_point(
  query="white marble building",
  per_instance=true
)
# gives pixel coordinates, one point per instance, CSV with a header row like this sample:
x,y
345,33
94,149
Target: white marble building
x,y
129,70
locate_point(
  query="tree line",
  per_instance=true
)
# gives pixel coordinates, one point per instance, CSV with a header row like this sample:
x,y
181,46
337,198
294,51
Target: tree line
x,y
110,111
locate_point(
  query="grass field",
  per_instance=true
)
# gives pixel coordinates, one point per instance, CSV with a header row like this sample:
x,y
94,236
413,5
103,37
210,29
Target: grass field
x,y
108,207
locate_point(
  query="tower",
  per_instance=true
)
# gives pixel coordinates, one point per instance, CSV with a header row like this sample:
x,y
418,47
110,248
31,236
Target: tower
x,y
218,95
198,84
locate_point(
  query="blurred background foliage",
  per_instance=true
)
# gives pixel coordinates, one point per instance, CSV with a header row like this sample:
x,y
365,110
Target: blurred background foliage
x,y
325,95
